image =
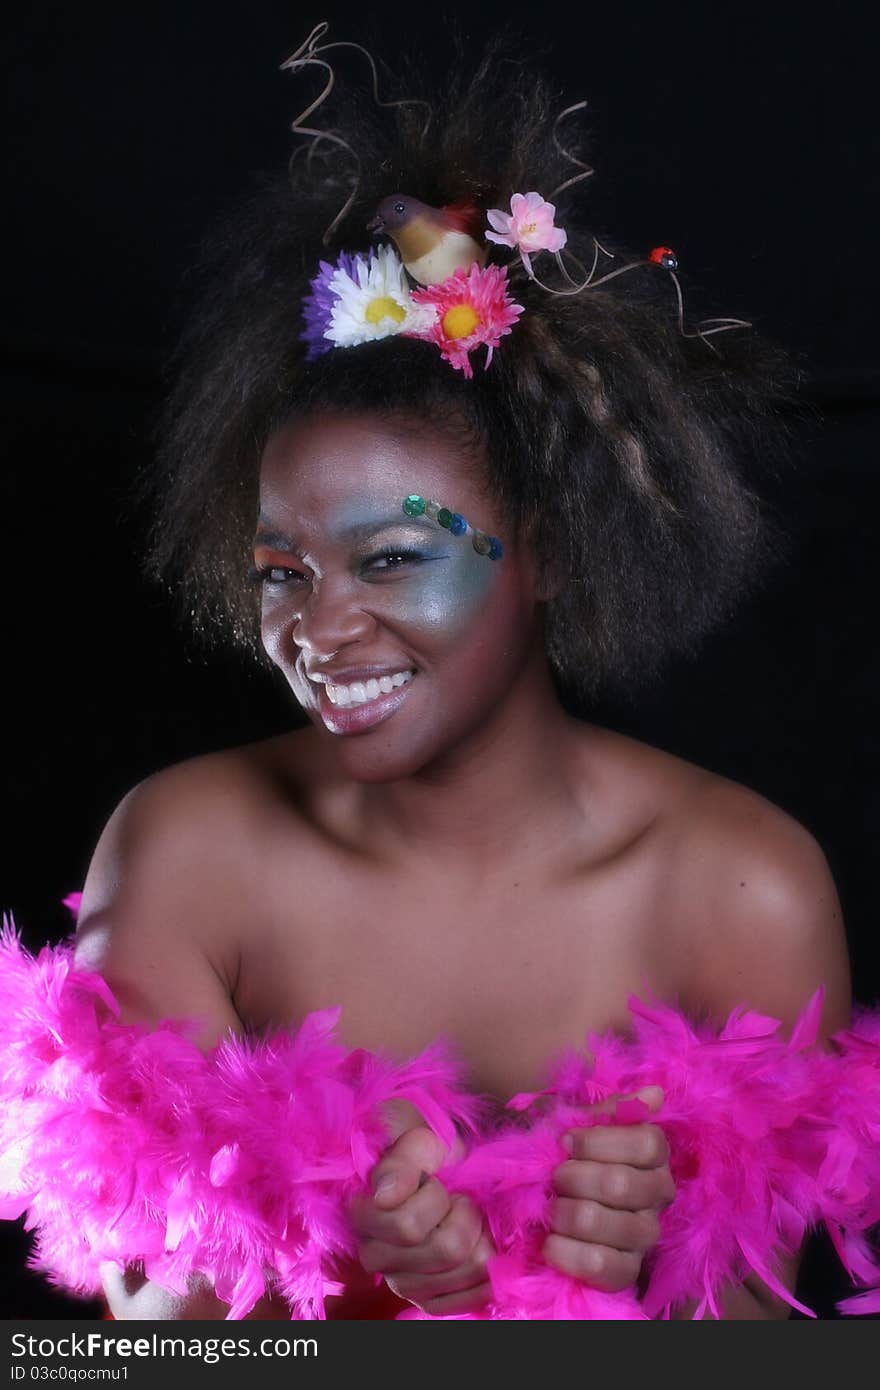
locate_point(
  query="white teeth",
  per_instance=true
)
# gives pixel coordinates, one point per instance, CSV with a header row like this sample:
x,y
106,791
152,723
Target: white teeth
x,y
360,692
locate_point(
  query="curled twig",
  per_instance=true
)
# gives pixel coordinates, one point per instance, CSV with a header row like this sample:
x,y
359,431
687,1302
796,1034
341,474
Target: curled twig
x,y
307,55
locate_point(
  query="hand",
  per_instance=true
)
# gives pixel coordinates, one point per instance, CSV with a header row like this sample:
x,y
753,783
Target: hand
x,y
604,1220
429,1246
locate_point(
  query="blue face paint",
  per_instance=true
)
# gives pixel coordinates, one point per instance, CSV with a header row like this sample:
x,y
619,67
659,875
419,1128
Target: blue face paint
x,y
428,576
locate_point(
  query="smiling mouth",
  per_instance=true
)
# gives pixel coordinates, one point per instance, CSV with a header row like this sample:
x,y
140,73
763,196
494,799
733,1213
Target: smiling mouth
x,y
359,716
365,692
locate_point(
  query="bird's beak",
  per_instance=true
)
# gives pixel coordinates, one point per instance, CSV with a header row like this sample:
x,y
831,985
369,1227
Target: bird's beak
x,y
376,224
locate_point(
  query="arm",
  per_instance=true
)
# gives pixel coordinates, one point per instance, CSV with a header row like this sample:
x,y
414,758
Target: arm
x,y
770,932
152,926
755,917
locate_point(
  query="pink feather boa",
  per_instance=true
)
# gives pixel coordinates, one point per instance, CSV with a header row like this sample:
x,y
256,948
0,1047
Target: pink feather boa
x,y
126,1144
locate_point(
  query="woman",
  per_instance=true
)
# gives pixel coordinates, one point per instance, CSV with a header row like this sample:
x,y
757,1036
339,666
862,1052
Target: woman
x,y
443,849
466,861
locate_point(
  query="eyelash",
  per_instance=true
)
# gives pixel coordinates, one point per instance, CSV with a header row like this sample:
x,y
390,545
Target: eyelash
x,y
261,575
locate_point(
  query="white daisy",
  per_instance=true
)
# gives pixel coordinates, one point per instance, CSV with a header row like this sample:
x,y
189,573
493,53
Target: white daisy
x,y
375,305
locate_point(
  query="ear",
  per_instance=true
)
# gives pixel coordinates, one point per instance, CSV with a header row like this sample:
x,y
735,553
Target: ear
x,y
547,578
548,585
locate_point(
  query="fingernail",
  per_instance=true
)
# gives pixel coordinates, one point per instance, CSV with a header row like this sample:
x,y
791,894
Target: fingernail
x,y
568,1143
385,1184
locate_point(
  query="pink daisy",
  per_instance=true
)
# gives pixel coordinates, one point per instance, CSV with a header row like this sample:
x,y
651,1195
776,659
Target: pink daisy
x,y
473,307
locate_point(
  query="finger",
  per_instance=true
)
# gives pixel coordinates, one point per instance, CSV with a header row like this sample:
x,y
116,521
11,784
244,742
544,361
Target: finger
x,y
417,1285
641,1146
597,1265
403,1166
399,1116
449,1245
405,1225
596,1224
465,1301
651,1095
615,1184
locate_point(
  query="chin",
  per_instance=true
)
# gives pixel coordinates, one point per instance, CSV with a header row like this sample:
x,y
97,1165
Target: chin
x,y
413,740
372,758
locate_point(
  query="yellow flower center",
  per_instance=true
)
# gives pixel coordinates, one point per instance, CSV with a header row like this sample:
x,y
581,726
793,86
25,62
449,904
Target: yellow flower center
x,y
528,228
384,307
460,321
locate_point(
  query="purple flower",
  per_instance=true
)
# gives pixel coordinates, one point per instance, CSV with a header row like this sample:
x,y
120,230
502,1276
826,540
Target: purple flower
x,y
319,302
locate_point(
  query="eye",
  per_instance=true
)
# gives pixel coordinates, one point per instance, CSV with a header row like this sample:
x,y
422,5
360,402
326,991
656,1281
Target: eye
x,y
393,560
266,574
400,207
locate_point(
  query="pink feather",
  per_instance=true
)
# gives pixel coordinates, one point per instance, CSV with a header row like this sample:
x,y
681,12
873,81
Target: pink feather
x,y
767,1140
127,1144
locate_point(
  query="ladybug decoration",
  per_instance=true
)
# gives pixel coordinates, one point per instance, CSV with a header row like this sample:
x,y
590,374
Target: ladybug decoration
x,y
665,256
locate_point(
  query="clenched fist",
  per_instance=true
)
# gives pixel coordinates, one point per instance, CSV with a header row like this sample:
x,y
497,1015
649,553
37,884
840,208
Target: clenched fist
x,y
429,1245
604,1219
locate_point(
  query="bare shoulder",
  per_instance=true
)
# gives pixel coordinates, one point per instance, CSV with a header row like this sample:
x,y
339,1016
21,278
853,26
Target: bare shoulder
x,y
748,911
186,813
174,883
201,810
753,907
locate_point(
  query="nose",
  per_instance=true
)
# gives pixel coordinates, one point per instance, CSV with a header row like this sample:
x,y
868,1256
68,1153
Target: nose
x,y
330,618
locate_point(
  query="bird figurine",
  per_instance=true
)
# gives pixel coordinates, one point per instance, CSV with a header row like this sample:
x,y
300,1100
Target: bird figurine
x,y
433,242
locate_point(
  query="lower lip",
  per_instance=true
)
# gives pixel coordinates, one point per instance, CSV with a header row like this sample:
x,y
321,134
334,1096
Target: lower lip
x,y
358,719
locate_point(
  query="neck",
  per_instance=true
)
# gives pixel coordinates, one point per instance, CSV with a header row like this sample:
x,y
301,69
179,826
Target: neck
x,y
479,804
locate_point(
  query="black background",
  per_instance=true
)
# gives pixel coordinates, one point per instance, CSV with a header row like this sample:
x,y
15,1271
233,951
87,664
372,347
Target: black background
x,y
743,136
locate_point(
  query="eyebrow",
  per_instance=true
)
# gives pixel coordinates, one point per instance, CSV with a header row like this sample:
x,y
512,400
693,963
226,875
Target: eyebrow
x,y
278,540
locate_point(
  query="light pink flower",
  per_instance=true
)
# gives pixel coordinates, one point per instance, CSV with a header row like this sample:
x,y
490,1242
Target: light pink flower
x,y
528,226
473,307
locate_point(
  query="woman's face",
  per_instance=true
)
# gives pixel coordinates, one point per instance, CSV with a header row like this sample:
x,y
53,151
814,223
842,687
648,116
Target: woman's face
x,y
355,590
